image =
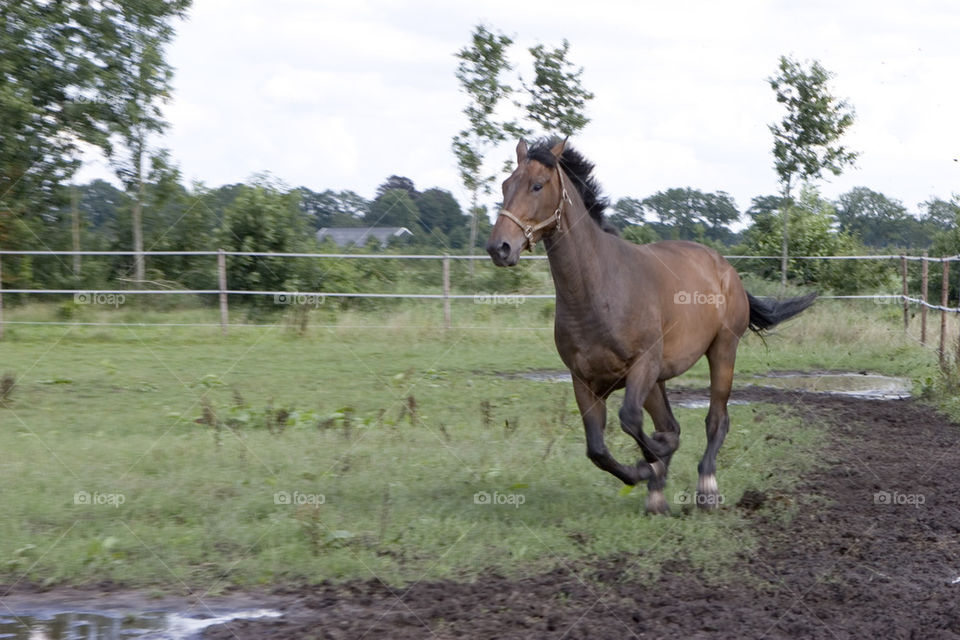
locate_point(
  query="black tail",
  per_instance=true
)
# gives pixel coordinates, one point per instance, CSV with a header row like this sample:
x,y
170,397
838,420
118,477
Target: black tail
x,y
768,312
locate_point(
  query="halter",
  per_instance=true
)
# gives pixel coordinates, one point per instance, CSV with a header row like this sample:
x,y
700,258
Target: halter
x,y
556,219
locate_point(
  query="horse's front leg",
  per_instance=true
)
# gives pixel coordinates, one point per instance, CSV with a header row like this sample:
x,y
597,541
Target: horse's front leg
x,y
641,389
593,410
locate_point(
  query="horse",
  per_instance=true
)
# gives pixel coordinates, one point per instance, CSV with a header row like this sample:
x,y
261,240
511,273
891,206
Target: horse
x,y
630,316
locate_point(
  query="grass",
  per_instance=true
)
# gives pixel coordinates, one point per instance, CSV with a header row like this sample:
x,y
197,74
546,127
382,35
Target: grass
x,y
361,446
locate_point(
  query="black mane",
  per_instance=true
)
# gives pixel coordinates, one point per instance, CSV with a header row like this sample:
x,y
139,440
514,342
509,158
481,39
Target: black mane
x,y
580,172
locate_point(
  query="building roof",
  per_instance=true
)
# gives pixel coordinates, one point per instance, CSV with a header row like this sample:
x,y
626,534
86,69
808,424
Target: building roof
x,y
360,236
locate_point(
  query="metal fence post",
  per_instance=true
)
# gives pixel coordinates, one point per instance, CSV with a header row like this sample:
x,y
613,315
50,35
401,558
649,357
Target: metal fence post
x,y
222,281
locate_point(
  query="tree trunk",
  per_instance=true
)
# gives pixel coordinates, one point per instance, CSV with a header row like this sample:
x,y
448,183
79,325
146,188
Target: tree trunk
x,y
473,230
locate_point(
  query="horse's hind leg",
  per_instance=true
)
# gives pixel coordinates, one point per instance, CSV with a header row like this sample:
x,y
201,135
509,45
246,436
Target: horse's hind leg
x,y
668,432
721,355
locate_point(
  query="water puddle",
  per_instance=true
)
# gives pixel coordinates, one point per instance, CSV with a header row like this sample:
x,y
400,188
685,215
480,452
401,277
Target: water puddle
x,y
863,385
113,625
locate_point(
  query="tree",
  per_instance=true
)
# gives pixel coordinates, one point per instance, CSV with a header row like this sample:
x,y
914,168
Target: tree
x,y
333,208
876,219
137,98
61,64
398,182
557,97
441,217
627,212
805,141
691,214
395,208
480,73
265,218
813,225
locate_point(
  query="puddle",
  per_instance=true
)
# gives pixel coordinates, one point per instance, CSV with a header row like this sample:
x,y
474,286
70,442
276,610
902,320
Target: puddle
x,y
99,625
864,385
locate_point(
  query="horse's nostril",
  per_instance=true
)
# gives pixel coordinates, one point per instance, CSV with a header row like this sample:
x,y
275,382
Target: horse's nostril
x,y
504,250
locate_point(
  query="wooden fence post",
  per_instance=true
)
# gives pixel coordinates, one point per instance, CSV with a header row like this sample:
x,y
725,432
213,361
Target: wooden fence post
x,y
446,291
924,281
222,281
1,297
944,288
906,304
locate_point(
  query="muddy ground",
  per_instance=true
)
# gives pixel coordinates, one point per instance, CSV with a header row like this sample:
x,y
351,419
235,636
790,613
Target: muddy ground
x,y
860,560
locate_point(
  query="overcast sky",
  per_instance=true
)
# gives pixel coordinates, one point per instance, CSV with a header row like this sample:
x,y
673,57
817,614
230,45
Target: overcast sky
x,y
341,94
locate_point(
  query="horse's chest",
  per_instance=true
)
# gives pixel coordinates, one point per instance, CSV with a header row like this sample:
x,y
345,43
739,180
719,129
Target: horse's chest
x,y
590,356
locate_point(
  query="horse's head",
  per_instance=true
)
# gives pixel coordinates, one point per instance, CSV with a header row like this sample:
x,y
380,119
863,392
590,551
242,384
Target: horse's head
x,y
533,199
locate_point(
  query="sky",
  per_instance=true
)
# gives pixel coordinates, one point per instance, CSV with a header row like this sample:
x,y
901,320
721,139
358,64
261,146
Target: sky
x,y
342,94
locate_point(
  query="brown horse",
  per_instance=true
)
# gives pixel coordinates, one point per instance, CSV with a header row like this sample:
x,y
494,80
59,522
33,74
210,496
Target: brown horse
x,y
629,316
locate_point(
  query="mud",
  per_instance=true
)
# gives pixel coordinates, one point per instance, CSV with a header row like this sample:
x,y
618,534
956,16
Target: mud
x,y
873,551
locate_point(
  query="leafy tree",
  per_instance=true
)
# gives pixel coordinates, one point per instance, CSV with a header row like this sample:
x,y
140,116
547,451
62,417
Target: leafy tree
x,y
557,97
398,182
812,225
333,208
940,214
441,217
68,73
691,214
264,218
626,212
640,234
806,140
480,73
137,98
763,206
876,219
394,208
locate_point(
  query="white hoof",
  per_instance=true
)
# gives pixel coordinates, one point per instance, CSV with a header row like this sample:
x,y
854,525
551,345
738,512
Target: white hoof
x,y
657,503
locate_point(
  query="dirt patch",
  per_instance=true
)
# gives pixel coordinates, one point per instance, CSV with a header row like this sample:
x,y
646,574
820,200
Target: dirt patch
x,y
877,561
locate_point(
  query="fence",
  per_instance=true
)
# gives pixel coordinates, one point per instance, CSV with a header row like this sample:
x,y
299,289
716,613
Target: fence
x,y
223,291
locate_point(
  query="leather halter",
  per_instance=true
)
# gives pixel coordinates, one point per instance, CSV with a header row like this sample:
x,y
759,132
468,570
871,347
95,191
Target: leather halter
x,y
556,219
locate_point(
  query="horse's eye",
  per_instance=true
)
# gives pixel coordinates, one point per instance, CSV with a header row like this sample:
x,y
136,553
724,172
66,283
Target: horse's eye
x,y
537,186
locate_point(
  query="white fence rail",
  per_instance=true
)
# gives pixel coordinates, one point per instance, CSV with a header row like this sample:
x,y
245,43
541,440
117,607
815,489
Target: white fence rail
x,y
223,292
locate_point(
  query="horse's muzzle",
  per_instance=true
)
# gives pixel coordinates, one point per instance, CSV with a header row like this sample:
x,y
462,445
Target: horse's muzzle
x,y
502,254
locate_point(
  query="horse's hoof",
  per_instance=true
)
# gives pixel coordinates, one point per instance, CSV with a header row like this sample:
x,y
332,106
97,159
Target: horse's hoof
x,y
657,503
708,496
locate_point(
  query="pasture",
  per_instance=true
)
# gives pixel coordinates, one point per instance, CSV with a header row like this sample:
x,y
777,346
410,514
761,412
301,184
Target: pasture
x,y
367,445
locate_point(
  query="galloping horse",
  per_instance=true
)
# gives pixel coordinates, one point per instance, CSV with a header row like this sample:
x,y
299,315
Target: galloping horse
x,y
629,316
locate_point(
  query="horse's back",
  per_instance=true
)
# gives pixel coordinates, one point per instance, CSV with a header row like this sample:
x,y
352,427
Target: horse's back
x,y
699,294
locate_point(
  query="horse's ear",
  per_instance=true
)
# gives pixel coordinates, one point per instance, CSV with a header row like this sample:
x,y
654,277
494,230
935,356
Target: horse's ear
x,y
557,149
521,151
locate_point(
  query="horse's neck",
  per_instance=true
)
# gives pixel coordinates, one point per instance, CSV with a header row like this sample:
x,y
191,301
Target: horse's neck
x,y
576,259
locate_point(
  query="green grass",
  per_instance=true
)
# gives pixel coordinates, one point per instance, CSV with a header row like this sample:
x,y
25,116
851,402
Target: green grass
x,y
394,422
